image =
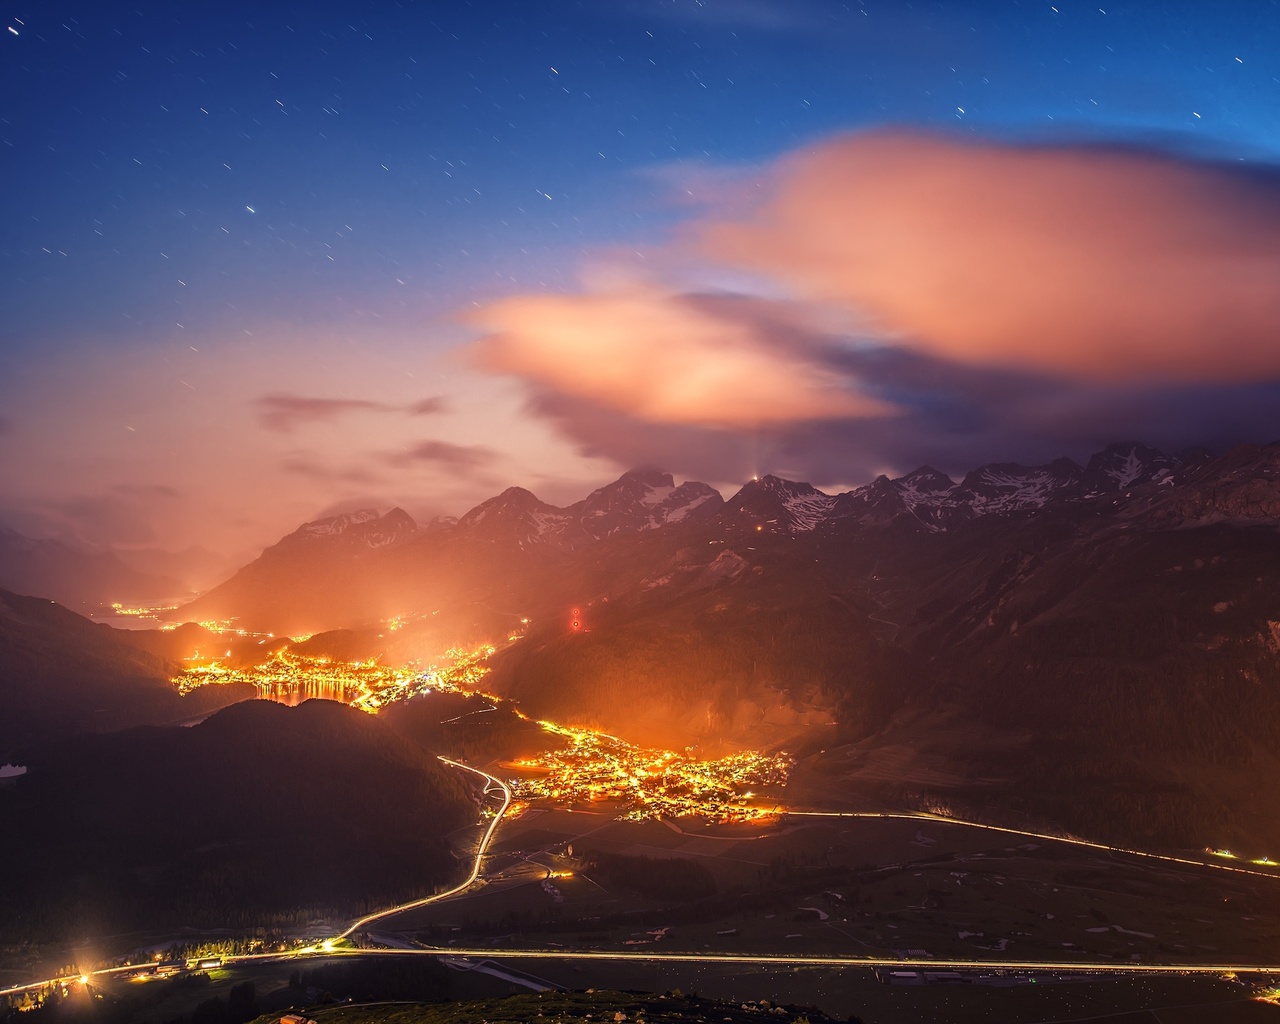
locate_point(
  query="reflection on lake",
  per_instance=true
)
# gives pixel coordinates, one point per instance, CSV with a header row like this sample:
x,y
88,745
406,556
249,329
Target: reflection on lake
x,y
295,691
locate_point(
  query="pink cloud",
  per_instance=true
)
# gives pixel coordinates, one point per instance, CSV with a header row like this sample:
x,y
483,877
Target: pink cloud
x,y
1093,263
283,413
668,358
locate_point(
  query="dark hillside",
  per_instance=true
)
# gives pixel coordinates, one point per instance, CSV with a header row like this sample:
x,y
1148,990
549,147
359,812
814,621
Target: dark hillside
x,y
61,674
258,812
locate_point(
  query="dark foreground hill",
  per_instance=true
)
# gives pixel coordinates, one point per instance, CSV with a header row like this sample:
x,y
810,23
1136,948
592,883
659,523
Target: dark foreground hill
x,y
256,813
408,991
564,1007
61,674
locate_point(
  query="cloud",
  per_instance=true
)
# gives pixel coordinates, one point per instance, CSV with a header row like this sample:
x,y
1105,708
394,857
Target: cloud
x,y
145,491
428,406
1098,264
104,519
954,417
283,413
667,357
921,299
600,431
455,457
301,464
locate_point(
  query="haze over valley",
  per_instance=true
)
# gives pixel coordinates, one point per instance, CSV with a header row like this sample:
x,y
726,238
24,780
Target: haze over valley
x,y
665,511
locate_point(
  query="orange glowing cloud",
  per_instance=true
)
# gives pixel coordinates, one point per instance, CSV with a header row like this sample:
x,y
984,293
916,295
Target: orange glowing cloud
x,y
1091,263
668,358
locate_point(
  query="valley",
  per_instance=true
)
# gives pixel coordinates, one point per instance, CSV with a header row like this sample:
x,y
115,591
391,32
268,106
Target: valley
x,y
1004,730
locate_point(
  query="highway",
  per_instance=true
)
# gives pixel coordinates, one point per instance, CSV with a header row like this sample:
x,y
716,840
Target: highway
x,y
785,960
940,819
470,880
710,959
759,959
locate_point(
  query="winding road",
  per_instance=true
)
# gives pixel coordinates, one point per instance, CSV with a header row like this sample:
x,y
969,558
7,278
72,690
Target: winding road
x,y
493,782
761,959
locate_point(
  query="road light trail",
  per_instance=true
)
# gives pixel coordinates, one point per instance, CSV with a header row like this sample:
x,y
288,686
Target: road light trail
x,y
70,979
739,959
763,959
475,867
784,960
939,819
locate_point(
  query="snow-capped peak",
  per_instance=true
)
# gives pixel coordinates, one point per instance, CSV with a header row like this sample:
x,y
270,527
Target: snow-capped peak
x,y
364,526
339,523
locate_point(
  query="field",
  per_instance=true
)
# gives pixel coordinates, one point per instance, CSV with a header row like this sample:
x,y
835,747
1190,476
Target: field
x,y
866,887
581,880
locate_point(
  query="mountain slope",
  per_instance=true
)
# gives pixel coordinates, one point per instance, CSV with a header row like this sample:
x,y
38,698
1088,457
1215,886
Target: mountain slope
x,y
329,574
61,674
643,499
1098,644
74,576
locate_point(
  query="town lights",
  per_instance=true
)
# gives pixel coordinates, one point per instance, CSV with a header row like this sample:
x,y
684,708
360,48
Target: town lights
x,y
652,783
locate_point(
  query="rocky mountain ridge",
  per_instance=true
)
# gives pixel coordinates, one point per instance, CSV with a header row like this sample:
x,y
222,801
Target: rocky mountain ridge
x,y
364,566
1093,643
647,499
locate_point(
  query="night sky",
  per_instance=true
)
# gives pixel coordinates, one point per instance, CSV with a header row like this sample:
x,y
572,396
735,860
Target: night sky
x,y
267,261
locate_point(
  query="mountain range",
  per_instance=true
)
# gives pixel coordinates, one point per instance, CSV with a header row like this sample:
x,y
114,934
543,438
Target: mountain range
x,y
366,566
1096,644
77,577
1092,646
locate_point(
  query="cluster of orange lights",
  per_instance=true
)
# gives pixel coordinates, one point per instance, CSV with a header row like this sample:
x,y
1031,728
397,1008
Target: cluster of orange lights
x,y
594,767
650,784
288,676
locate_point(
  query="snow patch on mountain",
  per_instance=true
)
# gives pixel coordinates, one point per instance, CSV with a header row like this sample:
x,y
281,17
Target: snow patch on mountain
x,y
807,511
544,523
681,512
338,524
656,495
924,486
365,527
1010,492
1128,471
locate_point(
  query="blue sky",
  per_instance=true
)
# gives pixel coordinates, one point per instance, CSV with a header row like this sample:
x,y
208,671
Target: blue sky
x,y
209,204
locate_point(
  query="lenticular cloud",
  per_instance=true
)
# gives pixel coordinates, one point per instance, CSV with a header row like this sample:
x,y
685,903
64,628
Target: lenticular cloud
x,y
670,358
1093,267
1098,264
